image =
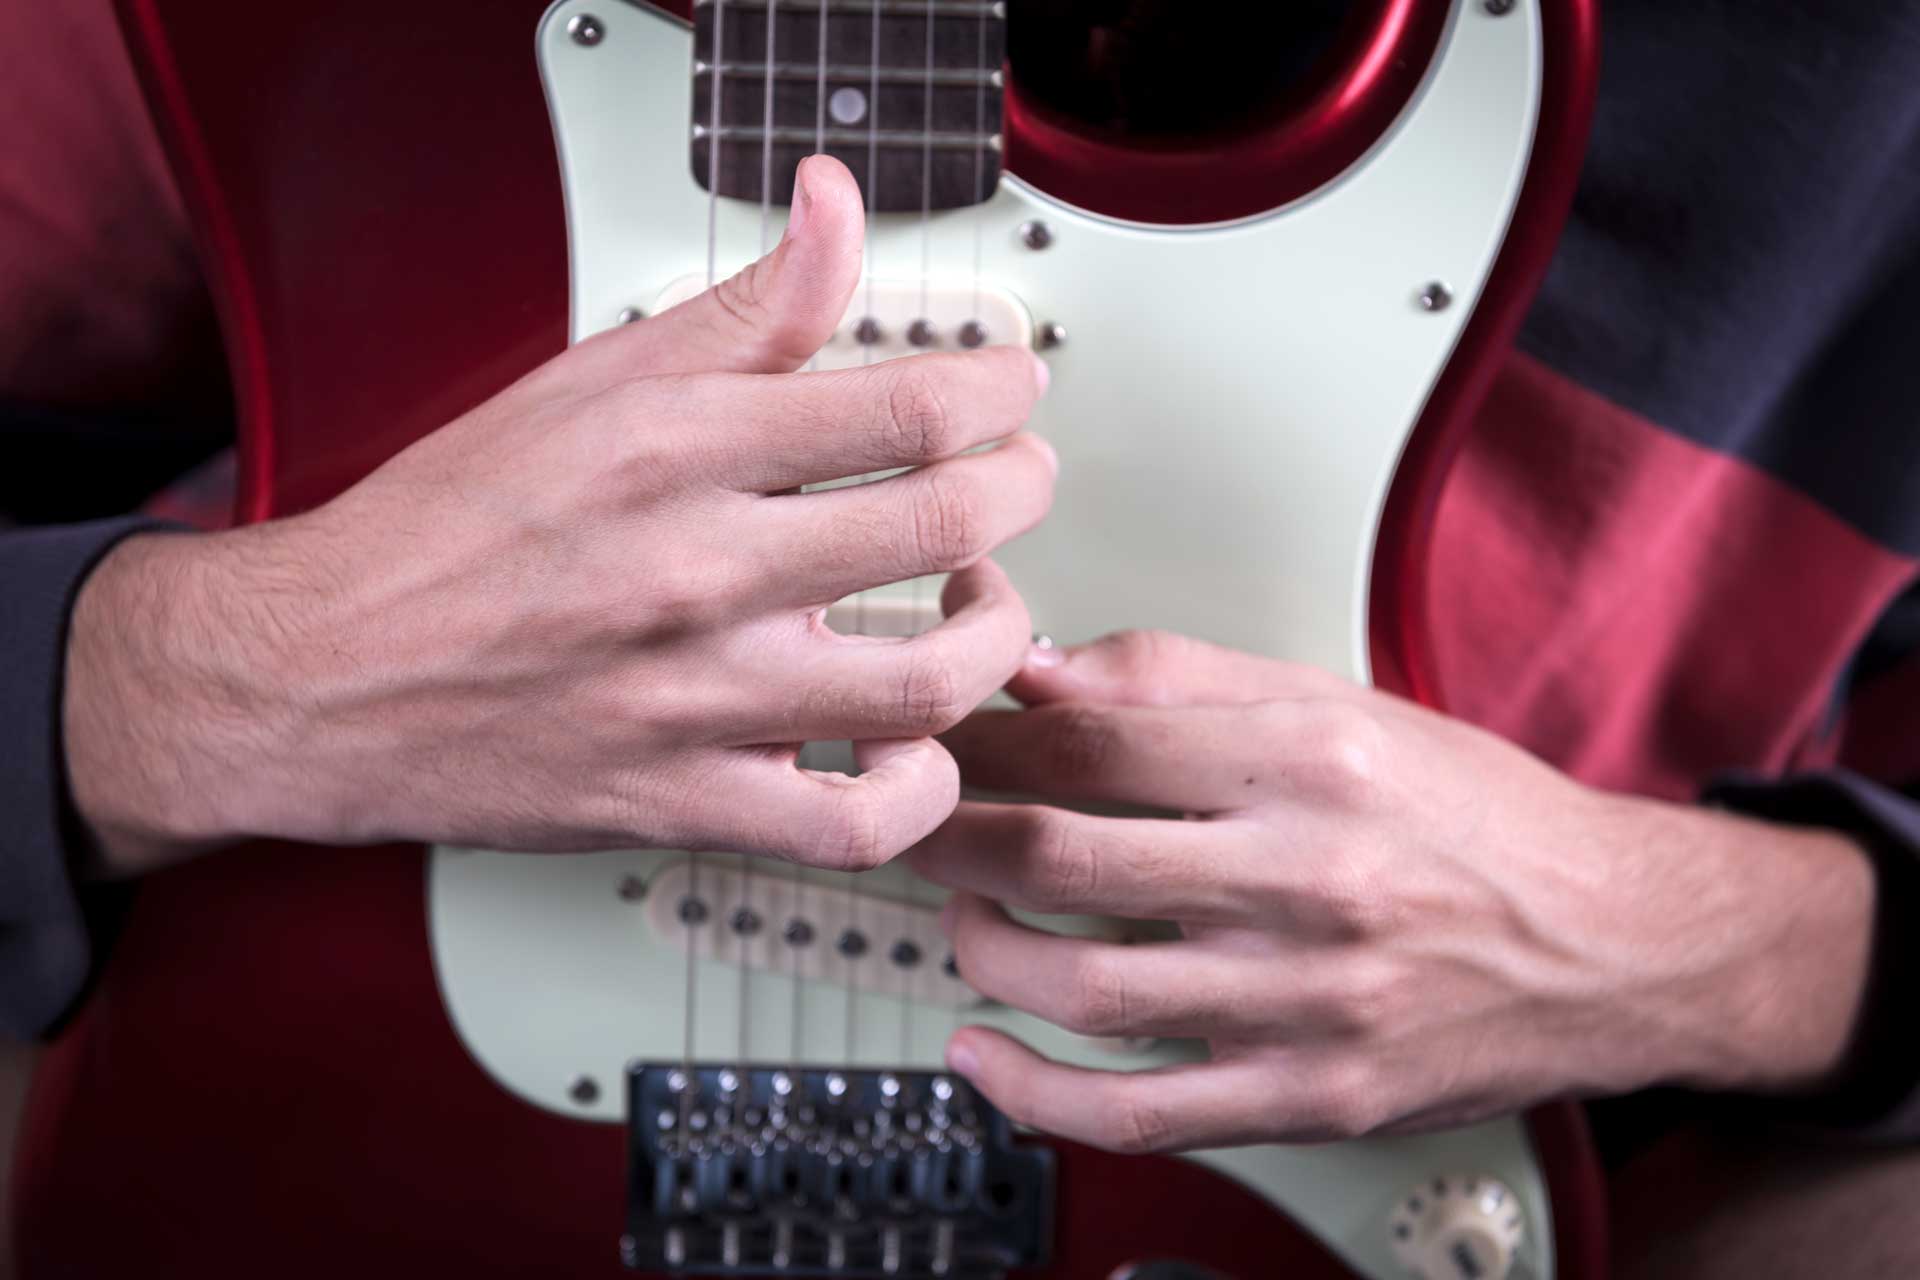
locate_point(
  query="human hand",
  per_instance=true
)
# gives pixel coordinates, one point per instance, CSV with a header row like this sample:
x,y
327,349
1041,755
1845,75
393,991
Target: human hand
x,y
1391,920
588,613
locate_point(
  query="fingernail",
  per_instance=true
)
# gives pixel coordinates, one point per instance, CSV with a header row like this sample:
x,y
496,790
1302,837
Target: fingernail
x,y
947,914
1045,653
1042,376
802,204
1052,455
962,1059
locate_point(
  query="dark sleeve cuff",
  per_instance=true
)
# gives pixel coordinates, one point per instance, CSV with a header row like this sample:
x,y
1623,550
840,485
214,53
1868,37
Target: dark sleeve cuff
x,y
1877,1093
44,945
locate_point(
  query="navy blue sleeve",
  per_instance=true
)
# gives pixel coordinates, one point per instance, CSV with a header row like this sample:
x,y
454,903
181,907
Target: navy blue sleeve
x,y
1877,1093
44,947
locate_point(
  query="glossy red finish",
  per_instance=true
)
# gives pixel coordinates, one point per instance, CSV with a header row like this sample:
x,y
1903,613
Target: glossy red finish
x,y
1399,602
1376,64
265,1078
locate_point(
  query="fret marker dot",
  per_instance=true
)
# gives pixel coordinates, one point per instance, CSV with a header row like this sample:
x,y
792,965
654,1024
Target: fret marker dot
x,y
847,105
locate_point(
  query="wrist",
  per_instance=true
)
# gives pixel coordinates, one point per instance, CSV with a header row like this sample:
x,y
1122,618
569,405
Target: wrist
x,y
1768,981
174,717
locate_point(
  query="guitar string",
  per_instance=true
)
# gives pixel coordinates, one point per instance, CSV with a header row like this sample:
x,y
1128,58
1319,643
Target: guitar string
x,y
797,917
746,928
917,587
953,1015
691,996
870,195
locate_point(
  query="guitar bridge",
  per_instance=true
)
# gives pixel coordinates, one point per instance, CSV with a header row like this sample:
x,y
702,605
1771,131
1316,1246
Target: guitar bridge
x,y
771,1171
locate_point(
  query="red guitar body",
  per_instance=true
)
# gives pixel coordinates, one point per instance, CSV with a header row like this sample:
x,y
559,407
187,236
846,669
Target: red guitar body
x,y
264,1079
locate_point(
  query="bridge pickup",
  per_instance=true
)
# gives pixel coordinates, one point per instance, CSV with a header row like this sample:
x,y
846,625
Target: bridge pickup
x,y
822,1171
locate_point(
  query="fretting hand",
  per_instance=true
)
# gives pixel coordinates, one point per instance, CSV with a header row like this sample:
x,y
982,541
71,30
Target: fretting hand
x,y
588,613
1391,920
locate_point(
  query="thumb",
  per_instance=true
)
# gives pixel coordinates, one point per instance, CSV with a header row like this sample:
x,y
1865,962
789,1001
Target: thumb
x,y
778,311
1161,669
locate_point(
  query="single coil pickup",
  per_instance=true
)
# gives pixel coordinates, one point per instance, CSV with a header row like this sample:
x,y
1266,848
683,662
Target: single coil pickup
x,y
826,1171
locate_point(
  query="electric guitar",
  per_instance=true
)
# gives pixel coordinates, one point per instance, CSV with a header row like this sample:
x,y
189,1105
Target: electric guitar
x,y
1305,279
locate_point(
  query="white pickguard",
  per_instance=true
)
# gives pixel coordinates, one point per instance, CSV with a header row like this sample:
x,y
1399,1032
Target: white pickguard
x,y
1229,411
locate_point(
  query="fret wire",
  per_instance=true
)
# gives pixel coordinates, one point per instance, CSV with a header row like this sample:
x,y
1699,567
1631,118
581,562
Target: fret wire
x,y
944,77
852,137
912,8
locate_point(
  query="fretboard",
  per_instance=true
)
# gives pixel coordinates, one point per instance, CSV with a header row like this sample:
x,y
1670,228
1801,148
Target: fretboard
x,y
906,93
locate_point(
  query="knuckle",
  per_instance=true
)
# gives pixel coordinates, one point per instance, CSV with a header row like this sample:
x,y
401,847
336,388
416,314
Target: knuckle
x,y
949,527
1350,753
1341,1102
1351,900
1143,655
916,423
1364,1003
742,297
1138,1126
854,837
1080,743
930,698
1066,868
1098,1004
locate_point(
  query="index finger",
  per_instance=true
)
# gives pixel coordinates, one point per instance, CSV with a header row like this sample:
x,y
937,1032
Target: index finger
x,y
765,434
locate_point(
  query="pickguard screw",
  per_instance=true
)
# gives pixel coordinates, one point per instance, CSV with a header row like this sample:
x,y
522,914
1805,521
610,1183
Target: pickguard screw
x,y
973,335
692,911
1499,8
629,314
632,888
1052,334
1436,297
920,333
585,29
1036,234
585,1090
867,332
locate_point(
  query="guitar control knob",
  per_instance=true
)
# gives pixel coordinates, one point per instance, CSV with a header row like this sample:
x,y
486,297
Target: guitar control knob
x,y
1457,1227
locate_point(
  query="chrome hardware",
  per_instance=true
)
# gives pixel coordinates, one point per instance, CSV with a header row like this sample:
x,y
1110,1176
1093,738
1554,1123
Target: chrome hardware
x,y
1036,234
1499,8
867,332
1052,334
973,335
585,29
632,889
629,314
692,911
1436,297
852,944
798,933
745,922
585,1090
920,333
905,954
